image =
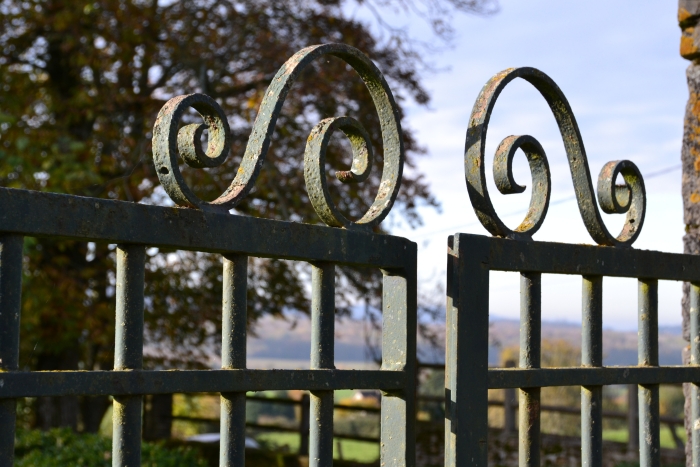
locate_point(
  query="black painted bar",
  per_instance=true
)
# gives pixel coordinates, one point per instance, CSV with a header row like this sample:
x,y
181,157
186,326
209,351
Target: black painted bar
x,y
673,374
592,356
11,248
233,355
648,355
467,354
128,353
322,356
530,357
399,328
694,314
103,383
39,214
587,260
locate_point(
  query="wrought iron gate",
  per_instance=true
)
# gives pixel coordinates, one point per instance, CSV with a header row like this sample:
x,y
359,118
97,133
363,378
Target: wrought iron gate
x,y
471,258
210,228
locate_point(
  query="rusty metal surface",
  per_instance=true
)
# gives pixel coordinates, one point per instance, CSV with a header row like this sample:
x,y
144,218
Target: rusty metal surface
x,y
169,142
629,198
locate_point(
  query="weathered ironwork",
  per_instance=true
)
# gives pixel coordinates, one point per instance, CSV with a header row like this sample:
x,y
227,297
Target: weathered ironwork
x,y
210,228
168,142
629,198
471,258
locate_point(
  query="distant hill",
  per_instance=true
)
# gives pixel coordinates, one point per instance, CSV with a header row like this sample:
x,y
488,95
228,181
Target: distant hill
x,y
619,347
280,343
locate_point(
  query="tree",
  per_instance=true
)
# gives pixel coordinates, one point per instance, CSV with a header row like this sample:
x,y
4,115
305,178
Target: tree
x,y
82,82
688,18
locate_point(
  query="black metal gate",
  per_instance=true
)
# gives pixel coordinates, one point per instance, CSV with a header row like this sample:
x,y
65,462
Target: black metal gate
x,y
471,258
210,228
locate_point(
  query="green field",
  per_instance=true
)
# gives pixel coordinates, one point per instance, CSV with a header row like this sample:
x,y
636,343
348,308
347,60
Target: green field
x,y
358,451
666,439
341,394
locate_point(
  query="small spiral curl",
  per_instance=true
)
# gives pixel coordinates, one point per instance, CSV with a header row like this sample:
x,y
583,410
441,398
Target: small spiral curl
x,y
315,165
629,198
169,141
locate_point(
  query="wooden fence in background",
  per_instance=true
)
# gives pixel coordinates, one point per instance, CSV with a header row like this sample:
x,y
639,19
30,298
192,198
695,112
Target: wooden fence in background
x,y
509,405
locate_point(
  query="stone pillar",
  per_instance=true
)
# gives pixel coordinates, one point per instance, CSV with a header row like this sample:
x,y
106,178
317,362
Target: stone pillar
x,y
689,21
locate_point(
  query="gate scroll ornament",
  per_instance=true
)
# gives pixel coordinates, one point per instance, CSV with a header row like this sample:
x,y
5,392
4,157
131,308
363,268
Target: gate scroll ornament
x,y
629,198
167,140
472,257
208,227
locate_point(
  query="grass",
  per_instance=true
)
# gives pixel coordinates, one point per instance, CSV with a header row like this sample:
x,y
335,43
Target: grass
x,y
341,394
666,440
358,451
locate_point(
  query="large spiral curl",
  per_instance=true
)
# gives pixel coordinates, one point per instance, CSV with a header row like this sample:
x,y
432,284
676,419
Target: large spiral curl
x,y
629,198
171,142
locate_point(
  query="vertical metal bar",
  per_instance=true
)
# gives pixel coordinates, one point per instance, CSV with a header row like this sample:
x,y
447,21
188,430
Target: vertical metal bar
x,y
592,356
10,307
648,352
467,353
632,418
398,410
128,353
322,350
695,360
451,311
233,356
509,406
530,355
304,425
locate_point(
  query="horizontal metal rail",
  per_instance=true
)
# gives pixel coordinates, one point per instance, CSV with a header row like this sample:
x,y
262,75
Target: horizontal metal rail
x,y
584,260
544,377
38,214
62,383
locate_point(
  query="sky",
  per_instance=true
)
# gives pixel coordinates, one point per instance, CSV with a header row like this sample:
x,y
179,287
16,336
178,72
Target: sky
x,y
619,66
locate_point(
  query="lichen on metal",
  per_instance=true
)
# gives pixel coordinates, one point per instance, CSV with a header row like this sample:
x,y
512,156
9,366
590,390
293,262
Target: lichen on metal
x,y
629,198
169,142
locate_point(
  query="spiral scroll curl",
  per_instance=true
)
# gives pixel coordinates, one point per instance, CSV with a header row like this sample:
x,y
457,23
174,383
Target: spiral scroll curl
x,y
169,142
629,198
